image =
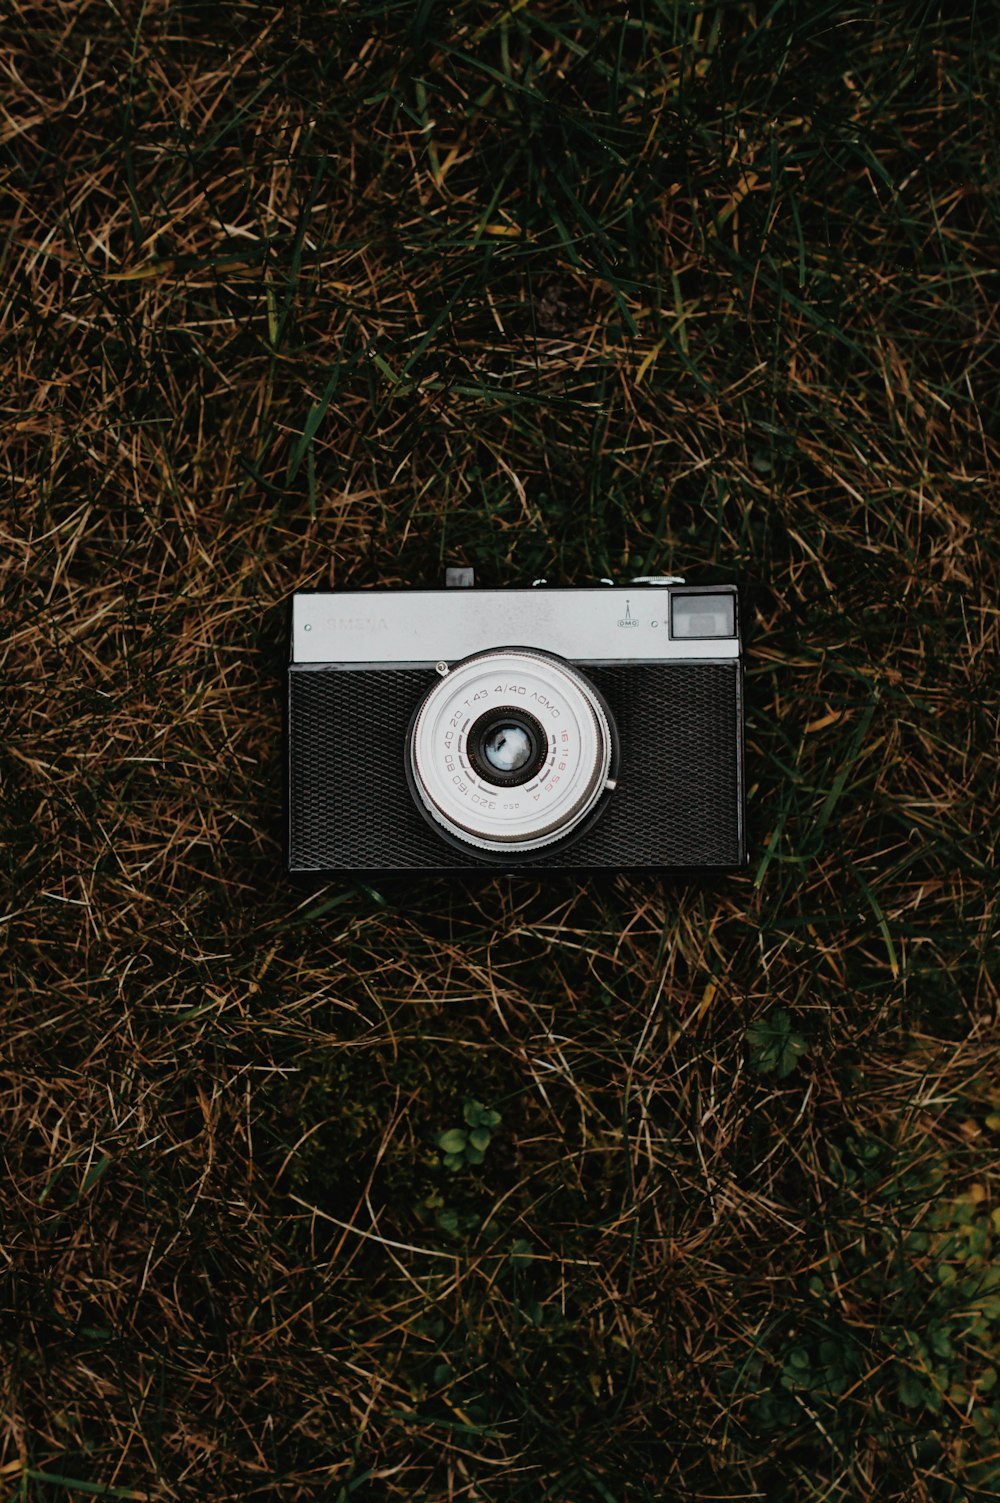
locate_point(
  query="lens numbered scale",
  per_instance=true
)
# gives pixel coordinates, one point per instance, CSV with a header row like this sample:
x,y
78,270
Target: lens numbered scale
x,y
511,750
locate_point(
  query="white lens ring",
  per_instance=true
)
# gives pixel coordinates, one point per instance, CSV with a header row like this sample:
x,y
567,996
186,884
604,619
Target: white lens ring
x,y
564,784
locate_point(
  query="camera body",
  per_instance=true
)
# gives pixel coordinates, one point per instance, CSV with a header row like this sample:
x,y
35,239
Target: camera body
x,y
477,730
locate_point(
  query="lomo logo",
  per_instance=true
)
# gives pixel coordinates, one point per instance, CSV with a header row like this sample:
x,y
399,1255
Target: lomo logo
x,y
628,619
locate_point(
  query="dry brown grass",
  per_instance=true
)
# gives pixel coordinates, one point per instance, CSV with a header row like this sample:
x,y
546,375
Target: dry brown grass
x,y
294,298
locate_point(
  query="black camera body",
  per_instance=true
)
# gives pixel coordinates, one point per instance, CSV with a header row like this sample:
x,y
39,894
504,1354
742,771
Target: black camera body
x,y
477,730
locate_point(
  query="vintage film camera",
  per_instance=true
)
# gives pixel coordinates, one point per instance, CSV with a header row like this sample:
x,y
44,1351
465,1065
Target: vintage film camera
x,y
466,729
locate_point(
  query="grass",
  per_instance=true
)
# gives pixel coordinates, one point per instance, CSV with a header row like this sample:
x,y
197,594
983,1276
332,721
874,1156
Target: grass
x,y
297,296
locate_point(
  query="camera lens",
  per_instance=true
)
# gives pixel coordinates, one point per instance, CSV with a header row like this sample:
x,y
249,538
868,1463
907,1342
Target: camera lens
x,y
511,750
507,746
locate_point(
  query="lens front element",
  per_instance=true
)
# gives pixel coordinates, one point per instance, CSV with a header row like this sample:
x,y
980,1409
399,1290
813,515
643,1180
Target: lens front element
x,y
511,750
507,749
507,746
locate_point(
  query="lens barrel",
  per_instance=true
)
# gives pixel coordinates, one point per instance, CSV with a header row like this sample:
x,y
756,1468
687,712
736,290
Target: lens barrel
x,y
511,750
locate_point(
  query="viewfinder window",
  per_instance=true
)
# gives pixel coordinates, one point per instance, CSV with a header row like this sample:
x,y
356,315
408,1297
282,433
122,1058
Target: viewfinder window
x,y
705,615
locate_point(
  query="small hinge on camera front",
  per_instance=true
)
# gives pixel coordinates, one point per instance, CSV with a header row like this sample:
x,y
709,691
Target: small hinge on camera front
x,y
459,578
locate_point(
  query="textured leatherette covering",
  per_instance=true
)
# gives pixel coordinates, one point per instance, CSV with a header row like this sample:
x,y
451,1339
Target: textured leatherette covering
x,y
679,800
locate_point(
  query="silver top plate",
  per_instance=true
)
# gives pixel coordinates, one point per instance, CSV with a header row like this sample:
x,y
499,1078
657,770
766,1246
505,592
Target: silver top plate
x,y
607,624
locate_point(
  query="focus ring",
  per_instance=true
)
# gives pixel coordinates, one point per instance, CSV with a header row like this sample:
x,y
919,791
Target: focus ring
x,y
537,698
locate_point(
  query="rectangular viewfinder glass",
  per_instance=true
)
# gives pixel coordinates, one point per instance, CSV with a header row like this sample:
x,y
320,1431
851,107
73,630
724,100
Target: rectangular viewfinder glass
x,y
704,615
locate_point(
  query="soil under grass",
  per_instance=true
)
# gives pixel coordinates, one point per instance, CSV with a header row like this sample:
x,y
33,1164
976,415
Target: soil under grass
x,y
297,296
